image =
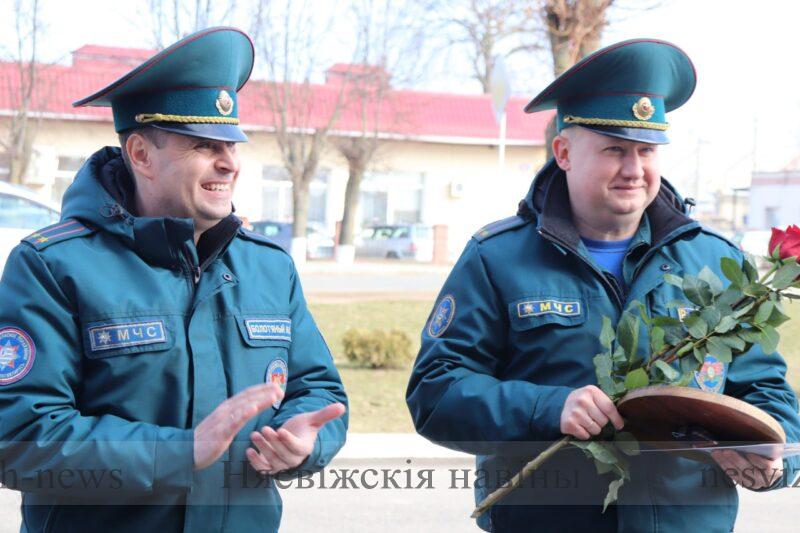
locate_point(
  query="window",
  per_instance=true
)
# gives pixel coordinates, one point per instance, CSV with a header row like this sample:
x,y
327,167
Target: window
x,y
67,167
771,217
392,198
277,199
16,212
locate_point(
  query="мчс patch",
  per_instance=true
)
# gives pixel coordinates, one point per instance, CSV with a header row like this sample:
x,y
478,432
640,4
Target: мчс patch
x,y
544,307
111,336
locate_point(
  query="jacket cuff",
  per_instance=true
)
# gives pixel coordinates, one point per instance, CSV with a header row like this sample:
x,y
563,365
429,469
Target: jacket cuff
x,y
546,419
174,459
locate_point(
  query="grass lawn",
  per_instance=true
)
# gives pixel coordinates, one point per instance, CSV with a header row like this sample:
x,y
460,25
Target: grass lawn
x,y
377,397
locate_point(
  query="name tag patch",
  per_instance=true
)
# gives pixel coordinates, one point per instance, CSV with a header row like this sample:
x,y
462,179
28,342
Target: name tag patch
x,y
124,335
548,307
269,329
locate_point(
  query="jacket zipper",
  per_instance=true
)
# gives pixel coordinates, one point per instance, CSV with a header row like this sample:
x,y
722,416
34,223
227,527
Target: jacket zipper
x,y
614,288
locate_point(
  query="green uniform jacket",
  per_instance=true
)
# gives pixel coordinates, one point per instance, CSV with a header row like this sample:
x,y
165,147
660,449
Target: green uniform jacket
x,y
514,332
128,335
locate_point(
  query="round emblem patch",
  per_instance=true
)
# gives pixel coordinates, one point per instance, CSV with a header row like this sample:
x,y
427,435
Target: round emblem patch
x,y
643,109
278,372
17,353
711,375
224,103
442,316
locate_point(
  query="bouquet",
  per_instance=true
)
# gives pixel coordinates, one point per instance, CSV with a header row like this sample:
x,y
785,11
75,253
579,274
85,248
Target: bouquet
x,y
725,322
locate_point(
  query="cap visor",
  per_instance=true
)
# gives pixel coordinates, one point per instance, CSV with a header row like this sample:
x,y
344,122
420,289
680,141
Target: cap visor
x,y
216,132
631,134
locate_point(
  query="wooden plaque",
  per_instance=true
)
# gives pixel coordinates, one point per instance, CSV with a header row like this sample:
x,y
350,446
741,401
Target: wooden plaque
x,y
658,414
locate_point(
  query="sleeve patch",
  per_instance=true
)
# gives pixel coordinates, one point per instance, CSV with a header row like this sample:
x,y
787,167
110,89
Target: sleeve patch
x,y
442,316
17,353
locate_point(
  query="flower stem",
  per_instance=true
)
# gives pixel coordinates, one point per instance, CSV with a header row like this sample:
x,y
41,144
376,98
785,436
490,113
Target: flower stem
x,y
527,470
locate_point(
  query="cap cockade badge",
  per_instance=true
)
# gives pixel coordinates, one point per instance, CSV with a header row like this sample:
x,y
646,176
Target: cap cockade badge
x,y
643,109
224,103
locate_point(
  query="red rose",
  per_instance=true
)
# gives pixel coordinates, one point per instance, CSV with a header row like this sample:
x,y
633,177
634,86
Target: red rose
x,y
789,242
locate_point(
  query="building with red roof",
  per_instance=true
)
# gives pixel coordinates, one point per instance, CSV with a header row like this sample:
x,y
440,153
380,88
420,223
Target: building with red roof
x,y
438,161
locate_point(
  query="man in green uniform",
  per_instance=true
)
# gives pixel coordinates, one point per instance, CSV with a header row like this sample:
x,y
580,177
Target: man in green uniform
x,y
506,358
159,366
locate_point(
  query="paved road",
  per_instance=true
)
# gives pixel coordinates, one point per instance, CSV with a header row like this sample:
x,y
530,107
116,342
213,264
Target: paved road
x,y
439,510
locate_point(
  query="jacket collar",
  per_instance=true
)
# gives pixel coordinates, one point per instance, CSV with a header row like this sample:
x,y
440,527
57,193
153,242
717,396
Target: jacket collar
x,y
547,202
102,196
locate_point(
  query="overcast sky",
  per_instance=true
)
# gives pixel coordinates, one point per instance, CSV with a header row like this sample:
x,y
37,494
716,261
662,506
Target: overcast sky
x,y
746,53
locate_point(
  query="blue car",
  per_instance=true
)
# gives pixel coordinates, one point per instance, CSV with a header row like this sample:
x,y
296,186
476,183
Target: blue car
x,y
320,246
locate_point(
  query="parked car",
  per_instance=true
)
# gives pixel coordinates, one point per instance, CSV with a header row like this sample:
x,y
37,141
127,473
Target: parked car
x,y
22,212
320,245
397,241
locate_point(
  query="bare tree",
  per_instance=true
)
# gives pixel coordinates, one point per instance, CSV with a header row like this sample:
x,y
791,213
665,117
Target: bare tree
x,y
289,41
171,20
18,143
389,41
487,28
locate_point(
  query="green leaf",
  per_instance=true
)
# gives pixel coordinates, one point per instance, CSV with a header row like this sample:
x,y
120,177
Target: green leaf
x,y
607,335
732,270
628,334
636,379
769,339
719,349
734,341
626,443
777,317
751,335
672,279
603,468
712,316
603,367
714,283
613,492
744,310
690,364
619,355
756,289
686,378
726,324
764,310
642,310
750,269
697,290
729,296
684,349
696,326
669,373
656,339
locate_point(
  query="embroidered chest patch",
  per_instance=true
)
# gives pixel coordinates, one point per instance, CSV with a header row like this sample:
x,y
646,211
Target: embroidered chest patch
x,y
111,336
278,373
711,375
17,352
545,307
269,328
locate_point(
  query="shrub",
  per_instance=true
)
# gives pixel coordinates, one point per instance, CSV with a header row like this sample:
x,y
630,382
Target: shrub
x,y
377,348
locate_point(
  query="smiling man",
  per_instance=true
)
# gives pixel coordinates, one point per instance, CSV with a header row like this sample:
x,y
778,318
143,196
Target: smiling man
x,y
165,368
505,363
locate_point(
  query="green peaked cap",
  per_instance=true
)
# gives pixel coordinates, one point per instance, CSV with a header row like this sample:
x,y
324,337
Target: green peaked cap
x,y
623,90
189,88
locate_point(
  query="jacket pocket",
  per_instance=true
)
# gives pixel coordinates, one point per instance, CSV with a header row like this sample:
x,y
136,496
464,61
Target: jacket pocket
x,y
130,335
534,311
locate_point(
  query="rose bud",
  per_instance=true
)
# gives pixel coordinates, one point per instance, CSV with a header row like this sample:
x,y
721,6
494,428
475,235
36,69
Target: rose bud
x,y
788,240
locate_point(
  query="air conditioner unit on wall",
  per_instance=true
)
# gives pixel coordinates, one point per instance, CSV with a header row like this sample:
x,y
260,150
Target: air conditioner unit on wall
x,y
456,189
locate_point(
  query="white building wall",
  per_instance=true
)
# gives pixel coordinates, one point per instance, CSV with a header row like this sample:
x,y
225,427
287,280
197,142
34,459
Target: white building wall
x,y
774,200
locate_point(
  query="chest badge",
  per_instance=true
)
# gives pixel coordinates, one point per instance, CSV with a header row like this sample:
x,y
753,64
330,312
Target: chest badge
x,y
112,336
278,373
711,375
277,329
442,316
545,307
17,353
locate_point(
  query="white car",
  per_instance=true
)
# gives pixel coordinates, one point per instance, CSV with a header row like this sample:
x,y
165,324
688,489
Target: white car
x,y
22,212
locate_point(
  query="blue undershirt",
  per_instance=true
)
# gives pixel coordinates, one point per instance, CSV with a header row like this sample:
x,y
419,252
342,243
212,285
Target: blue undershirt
x,y
609,255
